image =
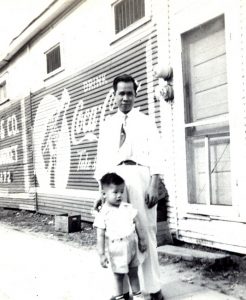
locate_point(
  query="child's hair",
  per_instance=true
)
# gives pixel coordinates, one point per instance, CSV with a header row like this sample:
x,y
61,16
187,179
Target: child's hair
x,y
111,178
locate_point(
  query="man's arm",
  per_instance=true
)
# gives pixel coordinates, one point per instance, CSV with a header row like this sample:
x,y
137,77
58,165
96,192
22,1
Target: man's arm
x,y
101,247
152,191
142,245
98,202
156,164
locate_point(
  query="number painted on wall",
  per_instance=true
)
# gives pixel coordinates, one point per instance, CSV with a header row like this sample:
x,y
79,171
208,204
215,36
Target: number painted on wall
x,y
5,177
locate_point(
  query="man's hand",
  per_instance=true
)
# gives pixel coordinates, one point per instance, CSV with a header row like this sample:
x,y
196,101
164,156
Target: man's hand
x,y
98,202
152,192
104,261
142,245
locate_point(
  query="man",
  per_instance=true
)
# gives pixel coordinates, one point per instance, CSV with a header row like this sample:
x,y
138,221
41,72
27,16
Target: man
x,y
129,145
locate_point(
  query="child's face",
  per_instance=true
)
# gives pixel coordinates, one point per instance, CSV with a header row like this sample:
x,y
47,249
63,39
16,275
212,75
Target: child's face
x,y
114,194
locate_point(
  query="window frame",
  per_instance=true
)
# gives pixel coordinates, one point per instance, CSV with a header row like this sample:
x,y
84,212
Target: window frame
x,y
134,25
58,70
186,209
4,82
217,120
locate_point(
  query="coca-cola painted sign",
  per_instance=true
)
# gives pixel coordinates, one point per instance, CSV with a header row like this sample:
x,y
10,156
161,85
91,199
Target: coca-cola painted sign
x,y
68,116
66,133
11,150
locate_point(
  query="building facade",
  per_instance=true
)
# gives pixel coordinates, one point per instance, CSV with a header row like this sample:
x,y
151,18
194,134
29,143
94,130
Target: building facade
x,y
56,90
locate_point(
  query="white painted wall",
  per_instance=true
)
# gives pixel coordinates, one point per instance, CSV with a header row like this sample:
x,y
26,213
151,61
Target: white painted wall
x,y
17,77
86,35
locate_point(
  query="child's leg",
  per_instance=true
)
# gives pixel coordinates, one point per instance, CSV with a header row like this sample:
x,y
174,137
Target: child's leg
x,y
118,277
134,280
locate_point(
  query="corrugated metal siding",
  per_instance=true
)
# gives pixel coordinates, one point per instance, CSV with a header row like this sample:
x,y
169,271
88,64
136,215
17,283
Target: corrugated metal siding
x,y
60,133
16,157
243,59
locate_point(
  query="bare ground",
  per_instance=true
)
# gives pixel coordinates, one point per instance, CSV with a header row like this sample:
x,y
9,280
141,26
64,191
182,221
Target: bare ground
x,y
229,278
45,225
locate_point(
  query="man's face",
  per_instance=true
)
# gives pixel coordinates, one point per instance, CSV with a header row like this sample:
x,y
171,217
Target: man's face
x,y
125,96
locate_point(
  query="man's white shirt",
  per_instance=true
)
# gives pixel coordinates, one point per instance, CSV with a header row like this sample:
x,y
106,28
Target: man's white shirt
x,y
142,143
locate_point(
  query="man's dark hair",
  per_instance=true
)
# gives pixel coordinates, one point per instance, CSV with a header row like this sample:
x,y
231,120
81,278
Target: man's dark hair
x,y
111,178
124,78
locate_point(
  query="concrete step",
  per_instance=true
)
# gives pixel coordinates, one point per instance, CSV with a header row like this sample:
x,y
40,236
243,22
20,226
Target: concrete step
x,y
193,254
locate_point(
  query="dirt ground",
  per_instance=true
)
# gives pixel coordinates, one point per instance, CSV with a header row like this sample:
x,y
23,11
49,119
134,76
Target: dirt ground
x,y
229,279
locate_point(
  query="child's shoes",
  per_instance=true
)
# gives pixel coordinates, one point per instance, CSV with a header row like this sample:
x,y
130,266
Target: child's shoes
x,y
121,297
138,296
127,296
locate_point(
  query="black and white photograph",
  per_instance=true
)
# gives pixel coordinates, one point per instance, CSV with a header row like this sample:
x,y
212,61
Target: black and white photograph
x,y
123,140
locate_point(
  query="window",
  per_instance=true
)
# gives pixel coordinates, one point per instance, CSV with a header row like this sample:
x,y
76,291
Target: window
x,y
53,59
127,12
3,92
206,114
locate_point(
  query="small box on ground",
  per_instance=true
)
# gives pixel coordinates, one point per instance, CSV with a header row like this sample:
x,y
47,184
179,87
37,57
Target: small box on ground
x,y
68,223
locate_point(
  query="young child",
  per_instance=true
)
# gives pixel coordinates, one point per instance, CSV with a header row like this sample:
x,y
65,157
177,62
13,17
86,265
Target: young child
x,y
117,223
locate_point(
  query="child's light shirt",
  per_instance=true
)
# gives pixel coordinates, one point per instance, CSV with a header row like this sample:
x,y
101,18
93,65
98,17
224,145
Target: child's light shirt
x,y
117,221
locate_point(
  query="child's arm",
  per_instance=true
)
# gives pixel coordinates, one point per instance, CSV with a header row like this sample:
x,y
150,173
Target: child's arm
x,y
142,245
101,247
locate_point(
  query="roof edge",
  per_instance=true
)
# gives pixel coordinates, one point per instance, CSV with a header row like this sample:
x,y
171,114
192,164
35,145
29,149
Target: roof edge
x,y
49,14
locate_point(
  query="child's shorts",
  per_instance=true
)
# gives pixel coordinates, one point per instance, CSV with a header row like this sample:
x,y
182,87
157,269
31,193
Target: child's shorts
x,y
123,253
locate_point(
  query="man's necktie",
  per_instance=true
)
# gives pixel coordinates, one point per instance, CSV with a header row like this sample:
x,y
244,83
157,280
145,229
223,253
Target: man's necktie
x,y
123,132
